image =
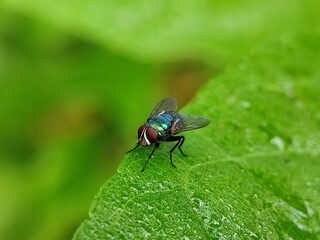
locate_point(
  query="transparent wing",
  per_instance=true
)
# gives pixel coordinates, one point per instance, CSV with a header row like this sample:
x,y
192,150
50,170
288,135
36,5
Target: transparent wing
x,y
166,105
187,122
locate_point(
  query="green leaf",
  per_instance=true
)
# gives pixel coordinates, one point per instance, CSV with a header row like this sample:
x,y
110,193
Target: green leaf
x,y
160,30
252,173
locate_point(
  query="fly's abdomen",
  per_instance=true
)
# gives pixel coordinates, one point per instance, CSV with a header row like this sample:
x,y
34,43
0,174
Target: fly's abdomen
x,y
161,124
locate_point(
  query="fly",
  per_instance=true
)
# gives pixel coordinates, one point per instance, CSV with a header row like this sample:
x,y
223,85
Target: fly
x,y
164,123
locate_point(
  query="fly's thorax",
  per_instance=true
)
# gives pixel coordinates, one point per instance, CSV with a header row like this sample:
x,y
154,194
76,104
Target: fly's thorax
x,y
157,128
161,124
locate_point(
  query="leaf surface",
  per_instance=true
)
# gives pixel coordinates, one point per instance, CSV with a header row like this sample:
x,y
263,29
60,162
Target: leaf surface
x,y
252,173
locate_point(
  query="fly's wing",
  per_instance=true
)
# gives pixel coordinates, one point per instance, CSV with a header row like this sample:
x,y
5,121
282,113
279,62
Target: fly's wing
x,y
187,122
166,105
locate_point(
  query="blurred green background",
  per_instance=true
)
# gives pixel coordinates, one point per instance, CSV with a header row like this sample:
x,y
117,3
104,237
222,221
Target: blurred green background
x,y
77,79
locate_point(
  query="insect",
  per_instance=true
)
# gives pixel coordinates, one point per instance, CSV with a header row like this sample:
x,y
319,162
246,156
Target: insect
x,y
164,123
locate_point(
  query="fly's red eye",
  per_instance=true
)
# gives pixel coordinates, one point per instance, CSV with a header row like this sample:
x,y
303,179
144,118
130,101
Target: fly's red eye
x,y
140,130
151,134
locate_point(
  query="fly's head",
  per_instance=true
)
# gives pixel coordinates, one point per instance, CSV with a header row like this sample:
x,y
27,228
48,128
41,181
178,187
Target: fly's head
x,y
147,135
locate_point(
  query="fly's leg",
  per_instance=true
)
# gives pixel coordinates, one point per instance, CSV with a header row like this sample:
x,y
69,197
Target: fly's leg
x,y
138,144
157,144
180,140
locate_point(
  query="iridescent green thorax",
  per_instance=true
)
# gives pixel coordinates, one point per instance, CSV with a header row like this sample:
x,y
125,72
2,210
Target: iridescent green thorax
x,y
161,124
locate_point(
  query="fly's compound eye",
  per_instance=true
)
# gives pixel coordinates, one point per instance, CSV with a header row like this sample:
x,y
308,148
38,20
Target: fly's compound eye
x,y
151,134
140,130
